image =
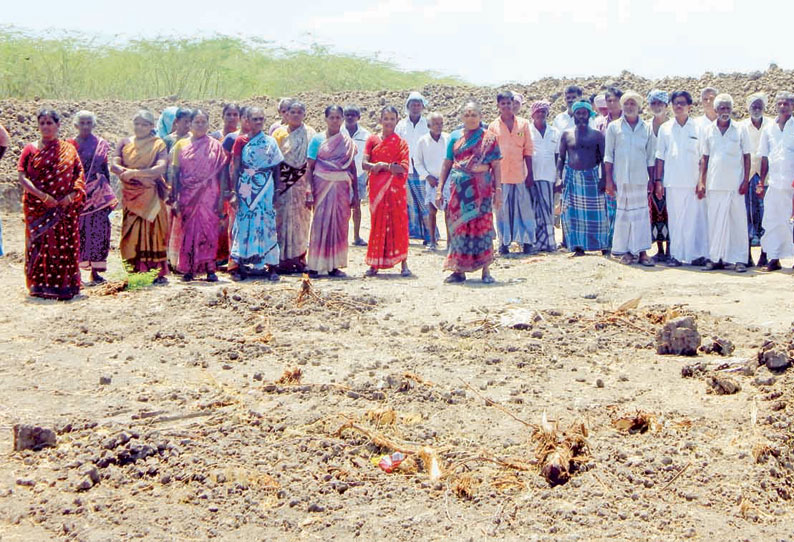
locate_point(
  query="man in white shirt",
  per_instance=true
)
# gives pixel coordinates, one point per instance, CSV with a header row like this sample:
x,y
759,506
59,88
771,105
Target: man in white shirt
x,y
777,169
709,115
545,147
629,166
564,121
677,158
754,200
411,128
430,152
725,176
359,136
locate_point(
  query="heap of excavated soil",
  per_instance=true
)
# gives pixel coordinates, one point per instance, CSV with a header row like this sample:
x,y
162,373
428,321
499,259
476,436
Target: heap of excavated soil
x,y
114,115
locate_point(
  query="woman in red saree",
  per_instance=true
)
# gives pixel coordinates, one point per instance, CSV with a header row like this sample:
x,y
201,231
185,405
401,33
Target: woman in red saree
x,y
472,169
331,171
99,200
199,170
51,176
140,163
386,160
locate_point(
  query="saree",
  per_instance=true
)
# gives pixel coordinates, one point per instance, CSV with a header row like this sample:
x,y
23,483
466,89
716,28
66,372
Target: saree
x,y
254,235
200,162
52,236
331,191
470,209
144,223
293,218
388,234
99,202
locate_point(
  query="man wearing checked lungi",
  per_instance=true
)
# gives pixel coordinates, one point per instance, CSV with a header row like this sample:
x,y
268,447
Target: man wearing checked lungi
x,y
584,213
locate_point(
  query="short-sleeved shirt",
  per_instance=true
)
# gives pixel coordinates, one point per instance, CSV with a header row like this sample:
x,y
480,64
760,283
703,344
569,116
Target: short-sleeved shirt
x,y
630,151
754,135
679,147
430,155
778,147
360,139
314,145
515,146
545,147
410,133
726,156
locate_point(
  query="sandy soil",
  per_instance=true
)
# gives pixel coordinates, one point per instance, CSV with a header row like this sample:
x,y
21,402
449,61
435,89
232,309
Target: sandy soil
x,y
194,438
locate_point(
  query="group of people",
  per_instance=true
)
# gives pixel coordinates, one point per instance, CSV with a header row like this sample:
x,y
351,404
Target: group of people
x,y
280,199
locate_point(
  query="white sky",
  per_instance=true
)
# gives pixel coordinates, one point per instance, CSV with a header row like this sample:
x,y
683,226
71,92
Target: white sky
x,y
485,42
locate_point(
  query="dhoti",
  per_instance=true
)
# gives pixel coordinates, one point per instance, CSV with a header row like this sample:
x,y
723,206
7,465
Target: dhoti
x,y
632,222
687,224
515,221
727,215
777,240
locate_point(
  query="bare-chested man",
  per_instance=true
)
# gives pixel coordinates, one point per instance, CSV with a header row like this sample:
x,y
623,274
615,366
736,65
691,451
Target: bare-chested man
x,y
584,213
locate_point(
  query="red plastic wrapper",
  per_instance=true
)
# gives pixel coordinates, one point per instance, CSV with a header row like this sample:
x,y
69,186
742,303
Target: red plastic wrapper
x,y
388,463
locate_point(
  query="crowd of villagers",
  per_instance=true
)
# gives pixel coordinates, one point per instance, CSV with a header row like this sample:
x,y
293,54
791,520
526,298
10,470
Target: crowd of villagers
x,y
264,200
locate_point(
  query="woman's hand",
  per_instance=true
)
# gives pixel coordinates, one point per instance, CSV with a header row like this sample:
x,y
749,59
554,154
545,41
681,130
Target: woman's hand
x,y
233,203
50,202
65,201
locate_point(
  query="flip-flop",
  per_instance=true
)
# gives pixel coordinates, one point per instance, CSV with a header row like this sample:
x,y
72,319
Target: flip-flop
x,y
488,279
647,262
455,278
359,243
336,273
370,272
406,273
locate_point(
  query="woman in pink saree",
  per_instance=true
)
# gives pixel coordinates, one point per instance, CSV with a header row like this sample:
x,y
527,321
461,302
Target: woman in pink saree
x,y
331,171
200,169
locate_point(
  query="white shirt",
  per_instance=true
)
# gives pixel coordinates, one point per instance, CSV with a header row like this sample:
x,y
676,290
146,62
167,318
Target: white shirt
x,y
544,147
679,147
360,139
630,150
411,133
726,156
564,121
430,155
755,139
703,122
778,146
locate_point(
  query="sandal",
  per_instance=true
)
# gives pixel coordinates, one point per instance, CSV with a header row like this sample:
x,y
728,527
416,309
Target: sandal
x,y
371,272
406,273
212,277
740,268
359,243
160,280
627,259
273,277
455,278
647,262
337,273
488,279
187,277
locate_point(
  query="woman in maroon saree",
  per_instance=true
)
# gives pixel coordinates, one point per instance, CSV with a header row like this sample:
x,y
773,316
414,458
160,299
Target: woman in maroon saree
x,y
51,176
99,200
199,170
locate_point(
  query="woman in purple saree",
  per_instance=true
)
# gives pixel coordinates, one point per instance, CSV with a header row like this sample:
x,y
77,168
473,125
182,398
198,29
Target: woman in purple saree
x,y
331,171
100,199
200,169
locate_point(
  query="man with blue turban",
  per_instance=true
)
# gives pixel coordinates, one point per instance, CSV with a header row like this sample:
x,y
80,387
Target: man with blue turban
x,y
584,214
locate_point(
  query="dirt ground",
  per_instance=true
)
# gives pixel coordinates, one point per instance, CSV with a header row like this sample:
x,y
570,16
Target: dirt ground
x,y
195,438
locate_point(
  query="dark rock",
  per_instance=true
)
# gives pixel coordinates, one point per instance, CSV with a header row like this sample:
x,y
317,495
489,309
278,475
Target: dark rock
x,y
314,507
30,437
719,346
678,337
104,380
722,385
776,360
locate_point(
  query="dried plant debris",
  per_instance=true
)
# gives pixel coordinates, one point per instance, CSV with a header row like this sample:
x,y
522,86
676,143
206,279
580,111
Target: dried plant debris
x,y
560,454
291,376
640,422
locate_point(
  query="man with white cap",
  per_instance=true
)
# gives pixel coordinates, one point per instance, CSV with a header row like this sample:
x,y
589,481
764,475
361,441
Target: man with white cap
x,y
754,200
725,176
411,128
677,157
629,166
777,170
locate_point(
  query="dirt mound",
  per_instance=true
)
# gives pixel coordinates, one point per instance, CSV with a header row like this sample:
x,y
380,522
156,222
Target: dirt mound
x,y
114,116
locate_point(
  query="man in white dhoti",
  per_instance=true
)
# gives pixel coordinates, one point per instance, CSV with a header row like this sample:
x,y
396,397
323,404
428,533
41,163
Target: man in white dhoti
x,y
725,176
629,166
431,149
677,157
777,169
